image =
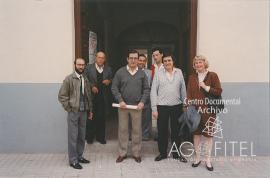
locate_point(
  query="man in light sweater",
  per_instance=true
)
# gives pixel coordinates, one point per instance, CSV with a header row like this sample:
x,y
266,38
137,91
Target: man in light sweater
x,y
130,87
168,93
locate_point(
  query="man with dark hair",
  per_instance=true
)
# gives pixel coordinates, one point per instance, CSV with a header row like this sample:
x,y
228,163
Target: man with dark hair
x,y
157,54
75,97
130,87
100,77
146,112
168,94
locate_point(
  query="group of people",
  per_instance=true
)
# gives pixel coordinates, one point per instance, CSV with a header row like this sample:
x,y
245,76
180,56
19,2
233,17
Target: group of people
x,y
160,93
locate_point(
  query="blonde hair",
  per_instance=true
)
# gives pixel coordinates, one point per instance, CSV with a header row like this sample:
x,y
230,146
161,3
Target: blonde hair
x,y
201,58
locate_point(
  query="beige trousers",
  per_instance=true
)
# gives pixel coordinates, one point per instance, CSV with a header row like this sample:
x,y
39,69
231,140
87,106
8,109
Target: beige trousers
x,y
123,134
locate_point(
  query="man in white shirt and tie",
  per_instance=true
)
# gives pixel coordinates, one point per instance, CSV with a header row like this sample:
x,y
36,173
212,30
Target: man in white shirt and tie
x,y
75,97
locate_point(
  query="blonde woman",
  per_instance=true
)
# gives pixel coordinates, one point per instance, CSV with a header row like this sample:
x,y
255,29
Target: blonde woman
x,y
200,84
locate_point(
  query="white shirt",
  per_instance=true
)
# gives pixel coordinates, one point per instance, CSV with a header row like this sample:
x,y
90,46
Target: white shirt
x,y
166,92
158,68
132,72
79,77
201,77
169,75
99,69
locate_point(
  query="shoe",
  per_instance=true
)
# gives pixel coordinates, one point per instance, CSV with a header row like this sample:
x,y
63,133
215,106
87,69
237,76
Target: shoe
x,y
182,159
196,164
103,142
76,166
175,155
83,160
137,159
89,141
160,157
209,168
121,158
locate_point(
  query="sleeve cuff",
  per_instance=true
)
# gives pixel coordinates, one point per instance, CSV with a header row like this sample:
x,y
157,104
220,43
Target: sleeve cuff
x,y
207,88
154,109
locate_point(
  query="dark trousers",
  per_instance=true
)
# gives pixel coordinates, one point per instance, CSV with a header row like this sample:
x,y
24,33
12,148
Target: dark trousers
x,y
166,113
96,126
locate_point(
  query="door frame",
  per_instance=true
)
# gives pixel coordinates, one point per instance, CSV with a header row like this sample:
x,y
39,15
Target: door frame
x,y
193,9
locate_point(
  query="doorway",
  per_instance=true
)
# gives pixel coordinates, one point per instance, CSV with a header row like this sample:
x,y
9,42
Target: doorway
x,y
169,24
120,25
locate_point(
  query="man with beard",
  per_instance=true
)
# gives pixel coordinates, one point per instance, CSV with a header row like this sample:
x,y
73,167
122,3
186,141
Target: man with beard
x,y
75,97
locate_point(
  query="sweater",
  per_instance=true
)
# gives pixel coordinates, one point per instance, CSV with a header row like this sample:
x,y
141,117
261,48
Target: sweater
x,y
131,89
165,92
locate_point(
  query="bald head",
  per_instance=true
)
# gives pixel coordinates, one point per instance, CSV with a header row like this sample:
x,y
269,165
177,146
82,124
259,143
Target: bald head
x,y
100,58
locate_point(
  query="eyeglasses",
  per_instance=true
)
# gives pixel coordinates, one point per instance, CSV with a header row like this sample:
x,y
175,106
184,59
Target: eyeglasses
x,y
80,64
133,58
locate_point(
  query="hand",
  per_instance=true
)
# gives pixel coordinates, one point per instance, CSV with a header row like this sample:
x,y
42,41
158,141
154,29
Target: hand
x,y
140,106
106,82
155,114
205,87
122,104
95,90
90,116
202,84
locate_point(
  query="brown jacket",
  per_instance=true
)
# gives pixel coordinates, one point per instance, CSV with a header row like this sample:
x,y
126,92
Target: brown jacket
x,y
195,92
69,93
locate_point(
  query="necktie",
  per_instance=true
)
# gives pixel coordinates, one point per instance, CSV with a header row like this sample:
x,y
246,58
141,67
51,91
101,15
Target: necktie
x,y
81,87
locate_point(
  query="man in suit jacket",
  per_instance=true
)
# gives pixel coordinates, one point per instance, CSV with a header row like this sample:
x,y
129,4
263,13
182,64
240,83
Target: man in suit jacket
x,y
146,112
75,97
100,77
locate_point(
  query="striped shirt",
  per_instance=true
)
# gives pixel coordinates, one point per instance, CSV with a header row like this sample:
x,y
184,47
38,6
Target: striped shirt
x,y
168,92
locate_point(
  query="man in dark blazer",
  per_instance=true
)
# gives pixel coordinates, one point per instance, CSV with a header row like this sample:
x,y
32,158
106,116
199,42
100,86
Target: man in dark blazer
x,y
100,77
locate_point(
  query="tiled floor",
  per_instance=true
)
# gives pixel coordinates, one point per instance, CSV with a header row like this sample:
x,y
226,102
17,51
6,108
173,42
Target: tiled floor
x,y
103,165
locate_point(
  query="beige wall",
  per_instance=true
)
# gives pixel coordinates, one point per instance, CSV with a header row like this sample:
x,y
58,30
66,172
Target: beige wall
x,y
234,35
36,40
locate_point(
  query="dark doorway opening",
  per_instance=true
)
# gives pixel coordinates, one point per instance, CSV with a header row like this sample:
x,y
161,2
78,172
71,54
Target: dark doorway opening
x,y
138,24
120,25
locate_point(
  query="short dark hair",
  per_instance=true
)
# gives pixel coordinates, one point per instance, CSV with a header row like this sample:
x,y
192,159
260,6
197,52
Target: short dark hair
x,y
143,55
168,55
79,58
157,49
131,51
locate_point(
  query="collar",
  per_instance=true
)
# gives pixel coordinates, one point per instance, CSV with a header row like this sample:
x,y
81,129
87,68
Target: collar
x,y
99,67
173,71
78,75
156,66
131,70
203,73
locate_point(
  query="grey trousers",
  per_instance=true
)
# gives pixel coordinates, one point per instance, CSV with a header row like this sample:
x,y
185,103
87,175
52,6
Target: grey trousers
x,y
147,122
76,135
136,131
